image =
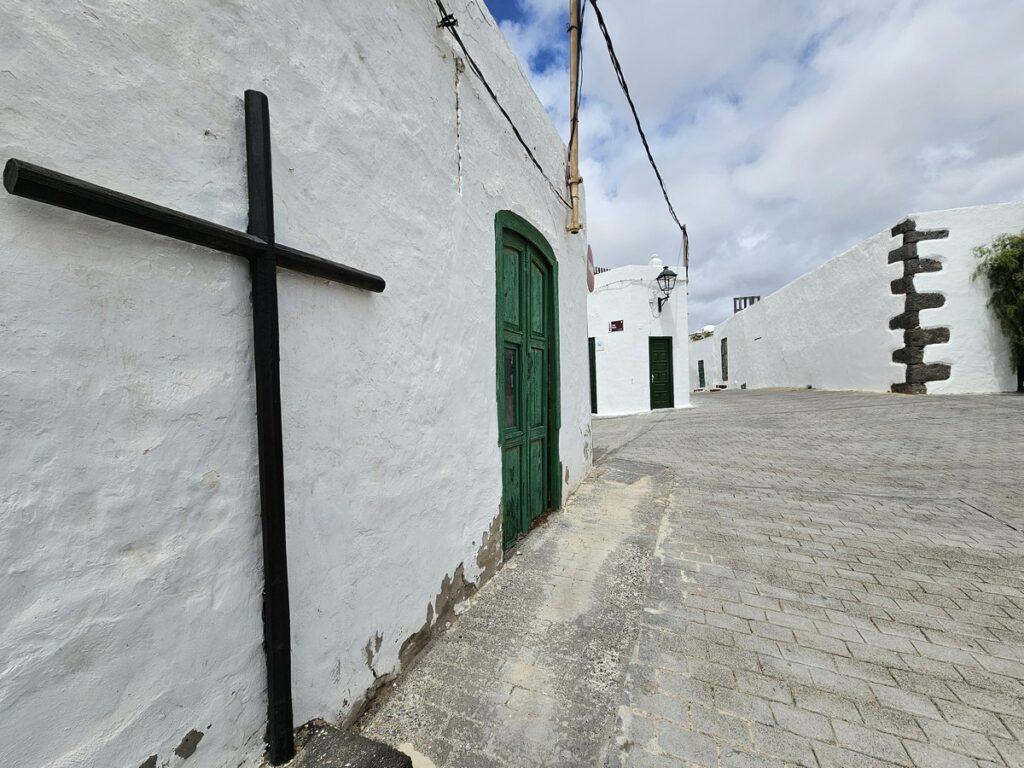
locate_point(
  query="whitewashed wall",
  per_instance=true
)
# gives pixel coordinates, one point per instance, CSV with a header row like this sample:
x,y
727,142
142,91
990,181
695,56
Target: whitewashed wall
x,y
129,532
708,350
623,366
977,350
830,328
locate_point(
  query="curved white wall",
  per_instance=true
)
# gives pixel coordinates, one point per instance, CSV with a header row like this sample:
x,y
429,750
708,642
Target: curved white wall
x,y
830,328
129,529
977,350
623,369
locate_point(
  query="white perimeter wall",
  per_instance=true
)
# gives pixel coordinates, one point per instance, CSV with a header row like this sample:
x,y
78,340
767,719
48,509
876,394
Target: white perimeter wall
x,y
129,528
623,365
830,328
977,350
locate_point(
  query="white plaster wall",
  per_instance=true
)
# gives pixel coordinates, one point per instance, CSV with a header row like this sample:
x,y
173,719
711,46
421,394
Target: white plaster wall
x,y
977,349
622,357
130,528
828,329
708,350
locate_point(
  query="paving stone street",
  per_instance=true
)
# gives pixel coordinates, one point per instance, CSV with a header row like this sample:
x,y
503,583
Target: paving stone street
x,y
767,579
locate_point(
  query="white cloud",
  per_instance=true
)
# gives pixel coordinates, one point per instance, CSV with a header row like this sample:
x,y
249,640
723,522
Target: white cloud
x,y
786,131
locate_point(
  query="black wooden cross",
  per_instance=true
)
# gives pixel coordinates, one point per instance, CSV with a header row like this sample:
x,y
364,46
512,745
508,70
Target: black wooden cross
x,y
265,256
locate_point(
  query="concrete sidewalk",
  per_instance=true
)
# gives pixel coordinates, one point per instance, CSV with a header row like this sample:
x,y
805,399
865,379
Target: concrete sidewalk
x,y
769,579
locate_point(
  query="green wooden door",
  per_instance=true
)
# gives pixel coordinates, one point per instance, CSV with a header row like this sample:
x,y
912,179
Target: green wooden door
x,y
593,374
700,372
660,351
527,349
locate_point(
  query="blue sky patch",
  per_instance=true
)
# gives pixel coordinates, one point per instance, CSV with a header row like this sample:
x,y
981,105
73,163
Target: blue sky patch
x,y
505,10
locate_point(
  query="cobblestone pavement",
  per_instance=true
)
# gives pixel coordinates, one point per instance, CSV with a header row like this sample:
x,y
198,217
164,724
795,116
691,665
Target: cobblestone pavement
x,y
768,579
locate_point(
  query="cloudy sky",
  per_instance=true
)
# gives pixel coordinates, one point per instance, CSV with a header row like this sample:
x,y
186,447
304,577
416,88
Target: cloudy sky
x,y
786,130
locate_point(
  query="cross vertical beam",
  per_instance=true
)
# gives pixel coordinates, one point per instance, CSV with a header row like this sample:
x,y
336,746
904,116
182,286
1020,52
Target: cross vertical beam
x,y
265,255
267,364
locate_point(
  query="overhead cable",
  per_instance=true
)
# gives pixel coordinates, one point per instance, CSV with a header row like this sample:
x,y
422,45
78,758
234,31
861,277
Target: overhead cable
x,y
632,107
494,97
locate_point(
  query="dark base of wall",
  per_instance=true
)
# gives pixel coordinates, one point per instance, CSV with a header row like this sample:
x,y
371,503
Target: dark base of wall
x,y
916,338
321,745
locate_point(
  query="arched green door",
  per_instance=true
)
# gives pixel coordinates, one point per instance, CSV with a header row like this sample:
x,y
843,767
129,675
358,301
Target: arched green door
x,y
527,375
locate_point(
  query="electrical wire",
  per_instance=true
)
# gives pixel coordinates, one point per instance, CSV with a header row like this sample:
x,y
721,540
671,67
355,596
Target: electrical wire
x,y
494,97
636,118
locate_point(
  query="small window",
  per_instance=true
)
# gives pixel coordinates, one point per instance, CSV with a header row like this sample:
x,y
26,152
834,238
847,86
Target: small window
x,y
511,416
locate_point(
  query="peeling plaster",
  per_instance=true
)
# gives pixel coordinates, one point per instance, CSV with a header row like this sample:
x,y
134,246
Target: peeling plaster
x,y
371,650
440,613
188,744
454,590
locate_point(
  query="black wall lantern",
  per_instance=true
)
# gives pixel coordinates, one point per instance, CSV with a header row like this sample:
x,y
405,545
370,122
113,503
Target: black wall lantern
x,y
666,282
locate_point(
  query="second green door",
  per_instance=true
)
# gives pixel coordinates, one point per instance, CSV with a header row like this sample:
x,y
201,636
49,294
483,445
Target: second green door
x,y
660,351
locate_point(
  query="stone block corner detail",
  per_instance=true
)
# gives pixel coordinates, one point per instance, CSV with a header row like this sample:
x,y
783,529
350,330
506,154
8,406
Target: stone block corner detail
x,y
916,338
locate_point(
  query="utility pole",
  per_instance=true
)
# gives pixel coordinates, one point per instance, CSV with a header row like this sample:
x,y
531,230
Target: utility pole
x,y
574,130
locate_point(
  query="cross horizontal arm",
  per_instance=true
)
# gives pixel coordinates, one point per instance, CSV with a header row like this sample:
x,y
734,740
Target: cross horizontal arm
x,y
47,186
315,266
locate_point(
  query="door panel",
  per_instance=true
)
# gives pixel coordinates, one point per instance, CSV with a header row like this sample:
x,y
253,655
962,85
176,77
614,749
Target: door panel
x,y
511,273
526,330
700,373
660,352
593,374
537,485
538,306
510,408
537,389
512,485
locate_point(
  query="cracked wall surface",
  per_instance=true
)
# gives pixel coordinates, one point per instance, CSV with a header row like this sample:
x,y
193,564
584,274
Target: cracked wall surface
x,y
915,338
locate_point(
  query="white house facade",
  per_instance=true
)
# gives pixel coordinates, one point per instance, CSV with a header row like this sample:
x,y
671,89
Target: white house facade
x,y
898,312
130,532
637,340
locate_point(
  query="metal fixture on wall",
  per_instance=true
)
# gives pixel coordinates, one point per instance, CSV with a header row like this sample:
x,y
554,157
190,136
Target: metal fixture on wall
x,y
666,282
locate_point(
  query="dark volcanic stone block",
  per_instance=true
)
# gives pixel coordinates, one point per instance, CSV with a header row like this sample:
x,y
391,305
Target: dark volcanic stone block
x,y
918,301
904,388
908,355
913,266
905,320
903,253
925,234
919,373
918,337
907,225
903,284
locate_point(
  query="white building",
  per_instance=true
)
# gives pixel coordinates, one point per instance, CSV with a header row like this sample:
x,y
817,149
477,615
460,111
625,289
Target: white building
x,y
130,528
897,312
638,358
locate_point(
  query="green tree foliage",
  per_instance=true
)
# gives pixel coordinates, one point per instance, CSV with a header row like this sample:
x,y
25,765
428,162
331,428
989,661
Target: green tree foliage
x,y
1002,264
